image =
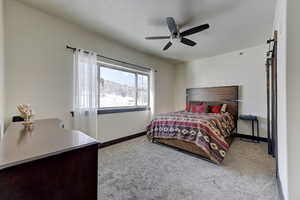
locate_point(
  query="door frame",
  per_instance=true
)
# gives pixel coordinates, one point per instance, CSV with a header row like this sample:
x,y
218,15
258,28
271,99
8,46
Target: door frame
x,y
272,114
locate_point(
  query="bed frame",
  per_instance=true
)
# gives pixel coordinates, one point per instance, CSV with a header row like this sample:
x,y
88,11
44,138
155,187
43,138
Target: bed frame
x,y
210,95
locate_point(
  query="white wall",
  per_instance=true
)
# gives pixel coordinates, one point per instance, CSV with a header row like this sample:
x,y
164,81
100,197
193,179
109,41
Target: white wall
x,y
288,26
2,88
39,69
293,98
247,71
280,26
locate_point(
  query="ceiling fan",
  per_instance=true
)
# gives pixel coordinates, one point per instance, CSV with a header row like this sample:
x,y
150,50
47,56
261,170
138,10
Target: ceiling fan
x,y
177,35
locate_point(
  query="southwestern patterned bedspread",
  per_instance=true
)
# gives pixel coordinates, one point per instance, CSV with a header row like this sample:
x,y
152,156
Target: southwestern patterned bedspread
x,y
206,130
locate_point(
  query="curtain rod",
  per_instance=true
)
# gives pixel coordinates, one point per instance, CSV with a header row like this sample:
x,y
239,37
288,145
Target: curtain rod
x,y
112,59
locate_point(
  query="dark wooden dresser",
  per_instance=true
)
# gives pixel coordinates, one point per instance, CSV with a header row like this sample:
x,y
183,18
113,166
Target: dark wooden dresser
x,y
47,163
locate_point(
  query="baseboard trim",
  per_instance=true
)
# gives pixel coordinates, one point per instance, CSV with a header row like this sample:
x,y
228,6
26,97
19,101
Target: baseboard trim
x,y
123,139
279,185
250,137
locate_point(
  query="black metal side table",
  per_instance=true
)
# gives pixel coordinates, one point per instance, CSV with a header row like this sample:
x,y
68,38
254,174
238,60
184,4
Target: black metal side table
x,y
253,119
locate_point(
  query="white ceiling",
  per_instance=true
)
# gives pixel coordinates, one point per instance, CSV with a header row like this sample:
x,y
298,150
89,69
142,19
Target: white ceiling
x,y
235,24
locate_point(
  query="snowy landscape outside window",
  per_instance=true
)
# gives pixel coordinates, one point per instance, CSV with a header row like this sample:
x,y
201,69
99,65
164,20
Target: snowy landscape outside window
x,y
122,88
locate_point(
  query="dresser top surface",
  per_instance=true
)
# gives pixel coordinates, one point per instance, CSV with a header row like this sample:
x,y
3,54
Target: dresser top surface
x,y
46,138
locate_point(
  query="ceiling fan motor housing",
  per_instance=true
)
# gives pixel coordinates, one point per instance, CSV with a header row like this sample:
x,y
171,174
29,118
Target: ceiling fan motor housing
x,y
175,37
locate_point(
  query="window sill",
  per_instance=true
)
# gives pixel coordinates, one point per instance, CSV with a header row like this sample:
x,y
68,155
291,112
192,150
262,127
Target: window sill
x,y
120,110
117,110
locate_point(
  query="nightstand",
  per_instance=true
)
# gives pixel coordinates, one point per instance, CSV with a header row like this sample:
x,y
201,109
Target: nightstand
x,y
253,119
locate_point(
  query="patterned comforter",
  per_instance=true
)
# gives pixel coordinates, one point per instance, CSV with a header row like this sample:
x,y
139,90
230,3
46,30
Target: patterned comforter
x,y
206,130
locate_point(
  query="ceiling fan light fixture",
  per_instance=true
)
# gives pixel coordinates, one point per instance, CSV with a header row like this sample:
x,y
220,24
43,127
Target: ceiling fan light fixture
x,y
177,36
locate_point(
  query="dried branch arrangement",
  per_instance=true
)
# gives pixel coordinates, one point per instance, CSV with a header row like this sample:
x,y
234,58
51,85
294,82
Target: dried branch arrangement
x,y
26,113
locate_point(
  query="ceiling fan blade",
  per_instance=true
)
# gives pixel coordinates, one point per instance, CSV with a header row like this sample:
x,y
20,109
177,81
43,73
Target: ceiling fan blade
x,y
188,42
157,37
172,25
167,46
194,30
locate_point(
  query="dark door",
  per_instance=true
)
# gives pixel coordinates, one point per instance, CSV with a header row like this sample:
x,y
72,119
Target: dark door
x,y
271,71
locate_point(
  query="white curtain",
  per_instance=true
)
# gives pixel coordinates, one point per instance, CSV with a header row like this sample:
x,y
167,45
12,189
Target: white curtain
x,y
85,95
152,93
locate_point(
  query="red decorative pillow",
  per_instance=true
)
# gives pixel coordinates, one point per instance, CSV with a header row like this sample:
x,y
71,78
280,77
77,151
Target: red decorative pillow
x,y
199,108
188,107
193,107
215,109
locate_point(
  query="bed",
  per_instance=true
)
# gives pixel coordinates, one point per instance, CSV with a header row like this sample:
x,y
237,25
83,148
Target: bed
x,y
207,135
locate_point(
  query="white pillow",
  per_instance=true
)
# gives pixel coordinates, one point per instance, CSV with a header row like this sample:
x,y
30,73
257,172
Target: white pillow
x,y
223,108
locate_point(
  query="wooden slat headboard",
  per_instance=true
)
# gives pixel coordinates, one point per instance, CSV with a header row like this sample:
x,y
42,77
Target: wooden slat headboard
x,y
215,95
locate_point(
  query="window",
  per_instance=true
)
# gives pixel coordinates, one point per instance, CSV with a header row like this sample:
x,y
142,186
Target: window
x,y
122,89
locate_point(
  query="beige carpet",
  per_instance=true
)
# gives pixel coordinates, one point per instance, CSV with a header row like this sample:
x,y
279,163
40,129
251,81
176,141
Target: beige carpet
x,y
140,170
